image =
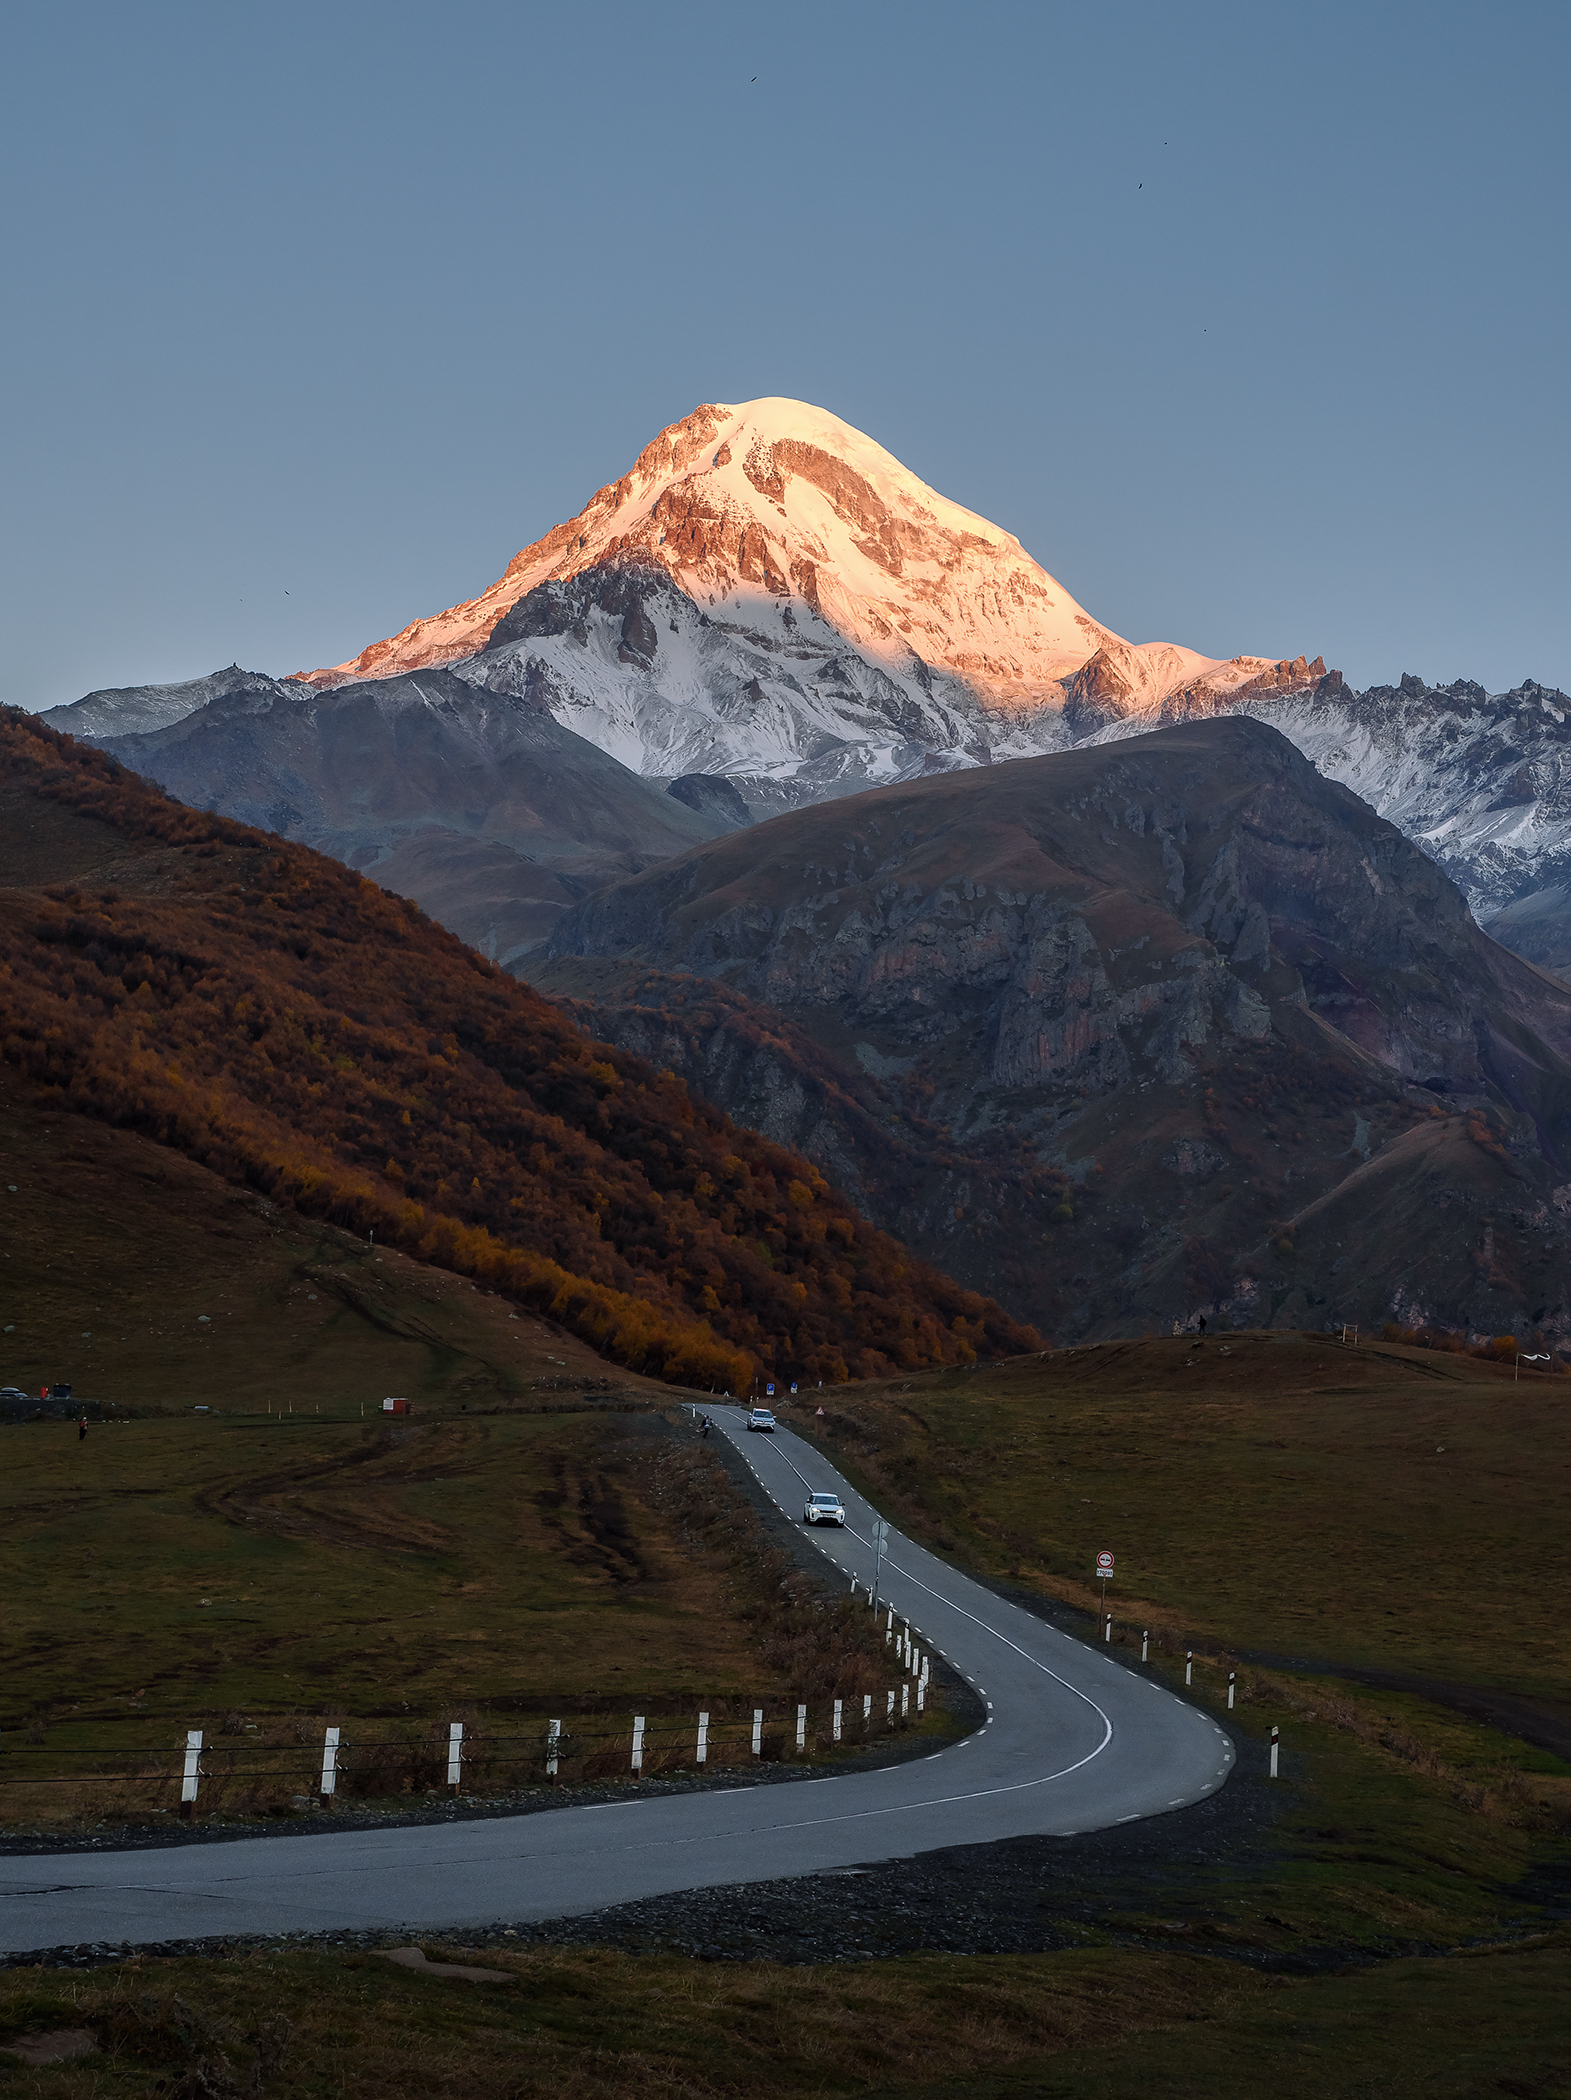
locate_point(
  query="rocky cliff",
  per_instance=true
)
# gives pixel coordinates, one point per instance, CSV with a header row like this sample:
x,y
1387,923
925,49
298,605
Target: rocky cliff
x,y
1207,1001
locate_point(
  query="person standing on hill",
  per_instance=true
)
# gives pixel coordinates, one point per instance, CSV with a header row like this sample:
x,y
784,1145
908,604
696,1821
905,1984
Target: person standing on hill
x,y
81,1429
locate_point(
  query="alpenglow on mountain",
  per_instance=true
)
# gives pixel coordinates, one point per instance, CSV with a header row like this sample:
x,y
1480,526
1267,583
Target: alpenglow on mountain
x,y
770,595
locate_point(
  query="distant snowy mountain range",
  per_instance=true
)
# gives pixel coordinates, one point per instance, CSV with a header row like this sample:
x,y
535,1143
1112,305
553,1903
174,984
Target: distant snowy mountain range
x,y
769,606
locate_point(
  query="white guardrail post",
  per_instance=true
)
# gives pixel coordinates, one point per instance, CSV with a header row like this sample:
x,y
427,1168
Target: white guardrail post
x,y
838,1706
703,1739
758,1731
329,1765
553,1743
638,1742
455,1754
192,1771
801,1728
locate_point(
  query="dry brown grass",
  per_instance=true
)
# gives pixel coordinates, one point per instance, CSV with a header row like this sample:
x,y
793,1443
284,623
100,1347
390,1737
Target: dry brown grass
x,y
593,2025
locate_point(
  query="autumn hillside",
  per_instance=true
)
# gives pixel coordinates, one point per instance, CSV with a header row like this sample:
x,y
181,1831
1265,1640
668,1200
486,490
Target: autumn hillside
x,y
269,1012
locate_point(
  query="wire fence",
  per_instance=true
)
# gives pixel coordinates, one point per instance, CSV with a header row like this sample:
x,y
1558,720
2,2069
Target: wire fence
x,y
272,1766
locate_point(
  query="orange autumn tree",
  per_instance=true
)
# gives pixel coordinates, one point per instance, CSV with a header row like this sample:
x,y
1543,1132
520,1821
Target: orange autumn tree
x,y
273,1014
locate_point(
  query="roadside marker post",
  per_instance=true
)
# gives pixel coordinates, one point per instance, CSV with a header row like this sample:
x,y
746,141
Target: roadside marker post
x,y
1145,1647
1107,1630
905,1702
758,1731
801,1728
455,1753
921,1694
553,1743
867,1711
329,1765
1232,1678
838,1707
1274,1747
703,1739
880,1540
192,1771
889,1707
638,1742
1189,1666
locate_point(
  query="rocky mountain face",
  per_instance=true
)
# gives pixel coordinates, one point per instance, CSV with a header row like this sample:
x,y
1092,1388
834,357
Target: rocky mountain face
x,y
1481,781
478,805
1153,1027
770,595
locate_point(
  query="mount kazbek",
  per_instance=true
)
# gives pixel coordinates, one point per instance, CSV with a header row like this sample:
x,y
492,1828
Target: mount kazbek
x,y
768,610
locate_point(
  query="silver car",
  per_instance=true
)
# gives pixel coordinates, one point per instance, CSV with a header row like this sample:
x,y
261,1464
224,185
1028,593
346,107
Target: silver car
x,y
823,1509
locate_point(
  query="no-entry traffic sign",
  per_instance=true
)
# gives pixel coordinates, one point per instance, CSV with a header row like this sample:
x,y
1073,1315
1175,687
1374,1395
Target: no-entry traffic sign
x,y
1104,1565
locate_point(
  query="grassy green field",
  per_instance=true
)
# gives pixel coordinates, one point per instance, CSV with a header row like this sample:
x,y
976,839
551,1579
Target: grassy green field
x,y
258,1577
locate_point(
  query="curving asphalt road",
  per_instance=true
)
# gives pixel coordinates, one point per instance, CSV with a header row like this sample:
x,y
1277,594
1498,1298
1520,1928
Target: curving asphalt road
x,y
1072,1742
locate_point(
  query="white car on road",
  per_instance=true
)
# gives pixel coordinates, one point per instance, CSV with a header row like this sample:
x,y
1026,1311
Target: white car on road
x,y
761,1418
823,1509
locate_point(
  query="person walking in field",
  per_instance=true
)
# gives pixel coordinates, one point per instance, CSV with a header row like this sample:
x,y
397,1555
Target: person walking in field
x,y
81,1429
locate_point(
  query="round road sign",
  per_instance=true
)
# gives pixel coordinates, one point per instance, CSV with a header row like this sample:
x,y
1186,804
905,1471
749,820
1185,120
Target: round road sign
x,y
1104,1564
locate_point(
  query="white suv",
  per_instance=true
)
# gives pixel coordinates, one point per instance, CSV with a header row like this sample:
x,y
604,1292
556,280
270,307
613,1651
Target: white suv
x,y
823,1509
760,1418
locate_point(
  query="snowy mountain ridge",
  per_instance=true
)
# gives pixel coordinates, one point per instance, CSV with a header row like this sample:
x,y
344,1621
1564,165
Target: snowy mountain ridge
x,y
1481,781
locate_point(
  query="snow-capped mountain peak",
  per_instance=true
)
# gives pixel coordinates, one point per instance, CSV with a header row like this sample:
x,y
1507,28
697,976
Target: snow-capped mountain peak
x,y
837,621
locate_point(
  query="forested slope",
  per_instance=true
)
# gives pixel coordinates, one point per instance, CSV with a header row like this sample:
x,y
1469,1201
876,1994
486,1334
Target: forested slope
x,y
269,1012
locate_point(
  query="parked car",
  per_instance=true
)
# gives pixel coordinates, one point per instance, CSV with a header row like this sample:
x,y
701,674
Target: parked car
x,y
823,1509
12,1394
760,1418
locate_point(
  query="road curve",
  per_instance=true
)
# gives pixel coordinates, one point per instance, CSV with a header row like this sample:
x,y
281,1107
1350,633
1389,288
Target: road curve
x,y
1072,1742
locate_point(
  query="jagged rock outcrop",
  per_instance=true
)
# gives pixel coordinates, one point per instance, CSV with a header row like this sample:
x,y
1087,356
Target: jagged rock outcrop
x,y
712,794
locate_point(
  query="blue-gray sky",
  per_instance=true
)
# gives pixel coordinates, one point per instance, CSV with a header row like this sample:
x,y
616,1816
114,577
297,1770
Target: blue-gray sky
x,y
1250,321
